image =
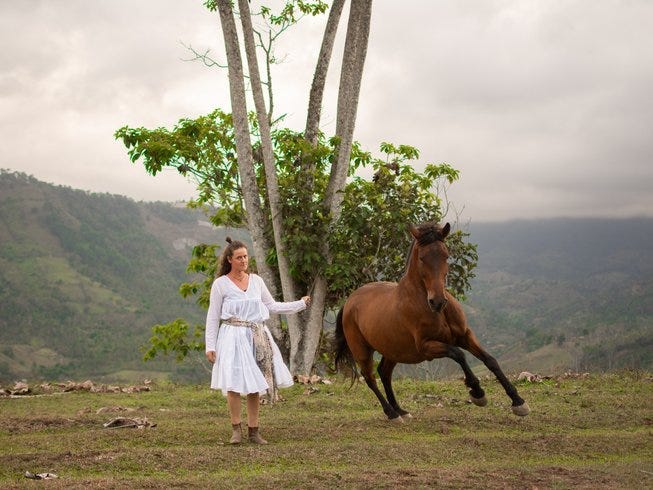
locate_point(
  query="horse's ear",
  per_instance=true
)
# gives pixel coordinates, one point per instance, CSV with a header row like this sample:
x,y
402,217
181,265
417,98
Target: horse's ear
x,y
412,229
445,230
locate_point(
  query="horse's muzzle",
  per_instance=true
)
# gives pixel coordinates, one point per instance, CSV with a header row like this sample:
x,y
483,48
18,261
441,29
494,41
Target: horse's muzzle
x,y
437,306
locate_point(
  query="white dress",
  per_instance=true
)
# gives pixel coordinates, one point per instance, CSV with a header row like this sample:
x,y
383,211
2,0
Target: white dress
x,y
235,368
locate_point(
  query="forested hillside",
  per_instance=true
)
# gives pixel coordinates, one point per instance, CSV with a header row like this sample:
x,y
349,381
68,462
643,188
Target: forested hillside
x,y
83,277
566,293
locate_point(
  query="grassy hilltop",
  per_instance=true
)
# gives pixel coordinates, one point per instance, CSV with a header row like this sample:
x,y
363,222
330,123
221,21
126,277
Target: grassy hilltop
x,y
591,431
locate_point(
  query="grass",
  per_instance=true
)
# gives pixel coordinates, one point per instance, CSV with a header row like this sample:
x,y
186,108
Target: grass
x,y
583,432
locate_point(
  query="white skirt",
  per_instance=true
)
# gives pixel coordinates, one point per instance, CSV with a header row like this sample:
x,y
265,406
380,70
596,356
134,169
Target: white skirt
x,y
235,367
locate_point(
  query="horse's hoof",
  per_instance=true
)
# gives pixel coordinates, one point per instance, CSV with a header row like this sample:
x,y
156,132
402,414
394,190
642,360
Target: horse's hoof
x,y
397,420
479,402
406,416
521,410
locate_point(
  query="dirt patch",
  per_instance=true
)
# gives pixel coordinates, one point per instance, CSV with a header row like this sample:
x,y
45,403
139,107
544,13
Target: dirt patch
x,y
538,478
15,425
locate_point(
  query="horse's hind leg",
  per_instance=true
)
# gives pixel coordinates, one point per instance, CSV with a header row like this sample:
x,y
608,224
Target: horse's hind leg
x,y
367,371
519,406
385,373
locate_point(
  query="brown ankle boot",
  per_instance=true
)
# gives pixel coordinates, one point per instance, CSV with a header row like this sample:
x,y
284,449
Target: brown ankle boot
x,y
236,436
255,437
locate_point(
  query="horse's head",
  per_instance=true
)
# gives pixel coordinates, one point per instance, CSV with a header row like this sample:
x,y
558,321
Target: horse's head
x,y
431,261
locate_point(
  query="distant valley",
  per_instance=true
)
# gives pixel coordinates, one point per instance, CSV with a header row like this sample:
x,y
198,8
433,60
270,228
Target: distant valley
x,y
84,276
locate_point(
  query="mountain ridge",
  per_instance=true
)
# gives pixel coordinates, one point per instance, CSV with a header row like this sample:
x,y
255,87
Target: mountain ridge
x,y
84,276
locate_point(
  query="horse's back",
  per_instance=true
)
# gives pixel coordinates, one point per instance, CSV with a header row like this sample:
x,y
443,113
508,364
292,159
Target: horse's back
x,y
371,297
379,287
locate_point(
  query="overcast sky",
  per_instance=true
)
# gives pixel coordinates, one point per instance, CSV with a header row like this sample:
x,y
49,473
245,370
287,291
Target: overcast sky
x,y
545,107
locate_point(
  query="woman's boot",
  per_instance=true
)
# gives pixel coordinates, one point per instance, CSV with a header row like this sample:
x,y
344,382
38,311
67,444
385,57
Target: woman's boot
x,y
255,437
236,436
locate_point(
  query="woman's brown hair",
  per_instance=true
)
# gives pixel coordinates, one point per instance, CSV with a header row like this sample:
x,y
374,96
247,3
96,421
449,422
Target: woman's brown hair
x,y
227,253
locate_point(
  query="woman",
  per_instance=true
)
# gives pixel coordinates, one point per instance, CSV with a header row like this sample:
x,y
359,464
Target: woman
x,y
246,361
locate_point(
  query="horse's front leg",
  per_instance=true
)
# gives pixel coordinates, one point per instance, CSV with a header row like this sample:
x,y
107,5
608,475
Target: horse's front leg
x,y
471,343
385,373
433,349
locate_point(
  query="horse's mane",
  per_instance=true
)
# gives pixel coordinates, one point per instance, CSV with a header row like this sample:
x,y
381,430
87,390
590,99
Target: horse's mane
x,y
428,233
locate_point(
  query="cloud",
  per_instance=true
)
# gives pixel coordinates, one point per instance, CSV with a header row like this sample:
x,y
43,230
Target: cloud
x,y
544,107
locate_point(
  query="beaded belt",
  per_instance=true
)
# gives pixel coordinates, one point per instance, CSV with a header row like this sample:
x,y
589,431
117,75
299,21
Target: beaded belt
x,y
237,322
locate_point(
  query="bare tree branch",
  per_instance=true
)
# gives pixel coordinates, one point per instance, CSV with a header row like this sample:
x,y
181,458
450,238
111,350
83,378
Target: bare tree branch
x,y
203,57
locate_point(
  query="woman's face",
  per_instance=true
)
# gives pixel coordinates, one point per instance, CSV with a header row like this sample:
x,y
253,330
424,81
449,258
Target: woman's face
x,y
239,260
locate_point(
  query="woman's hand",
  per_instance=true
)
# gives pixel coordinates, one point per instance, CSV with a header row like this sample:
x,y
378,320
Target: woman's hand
x,y
307,300
210,355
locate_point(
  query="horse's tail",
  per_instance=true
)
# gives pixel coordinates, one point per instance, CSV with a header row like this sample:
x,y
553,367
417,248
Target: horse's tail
x,y
343,356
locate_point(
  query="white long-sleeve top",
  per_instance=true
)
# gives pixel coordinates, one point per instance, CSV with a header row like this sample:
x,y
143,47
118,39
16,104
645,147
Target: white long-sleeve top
x,y
254,305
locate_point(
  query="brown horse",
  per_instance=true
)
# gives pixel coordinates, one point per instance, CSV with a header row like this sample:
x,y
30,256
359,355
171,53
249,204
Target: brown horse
x,y
412,321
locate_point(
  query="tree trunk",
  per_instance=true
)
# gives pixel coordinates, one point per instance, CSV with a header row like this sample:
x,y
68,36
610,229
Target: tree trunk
x,y
255,216
304,357
320,75
358,28
314,319
276,212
